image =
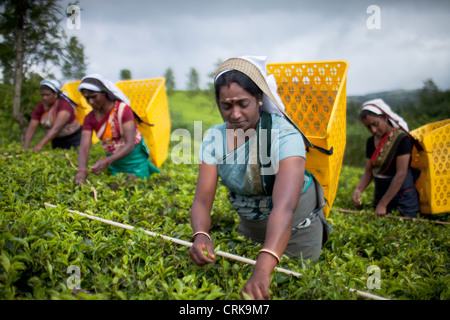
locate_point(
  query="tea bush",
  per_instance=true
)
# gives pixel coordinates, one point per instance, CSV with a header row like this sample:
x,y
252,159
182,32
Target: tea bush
x,y
38,243
40,246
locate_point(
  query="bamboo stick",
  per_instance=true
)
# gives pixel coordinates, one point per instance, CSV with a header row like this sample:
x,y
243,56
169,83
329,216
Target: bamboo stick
x,y
20,155
397,217
219,252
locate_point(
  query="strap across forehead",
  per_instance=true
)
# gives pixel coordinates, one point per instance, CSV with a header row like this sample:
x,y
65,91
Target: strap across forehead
x,y
253,72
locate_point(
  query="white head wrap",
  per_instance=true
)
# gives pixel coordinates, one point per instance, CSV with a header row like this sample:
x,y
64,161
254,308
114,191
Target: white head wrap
x,y
108,86
255,68
268,105
378,106
53,84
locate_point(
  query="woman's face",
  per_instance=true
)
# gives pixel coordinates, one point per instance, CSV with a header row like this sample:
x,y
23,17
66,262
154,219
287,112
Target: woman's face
x,y
238,107
96,99
377,125
48,97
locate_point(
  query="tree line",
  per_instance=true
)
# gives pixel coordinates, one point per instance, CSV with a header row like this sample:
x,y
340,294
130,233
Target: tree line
x,y
418,107
193,80
32,35
33,43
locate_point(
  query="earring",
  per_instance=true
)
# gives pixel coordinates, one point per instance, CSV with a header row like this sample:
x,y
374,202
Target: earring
x,y
260,103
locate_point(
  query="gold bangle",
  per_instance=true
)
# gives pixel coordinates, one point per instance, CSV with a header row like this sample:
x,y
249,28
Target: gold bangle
x,y
271,253
201,232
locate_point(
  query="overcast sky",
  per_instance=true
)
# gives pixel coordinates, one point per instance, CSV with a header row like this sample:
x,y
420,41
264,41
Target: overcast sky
x,y
147,37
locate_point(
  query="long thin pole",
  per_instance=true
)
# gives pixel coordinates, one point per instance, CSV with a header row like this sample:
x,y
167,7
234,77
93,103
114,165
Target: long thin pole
x,y
395,217
219,253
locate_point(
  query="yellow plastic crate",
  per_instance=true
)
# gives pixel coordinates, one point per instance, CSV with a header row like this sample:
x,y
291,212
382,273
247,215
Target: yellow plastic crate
x,y
314,94
83,107
434,163
148,99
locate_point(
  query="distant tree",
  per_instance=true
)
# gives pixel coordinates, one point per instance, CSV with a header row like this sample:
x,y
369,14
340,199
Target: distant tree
x,y
433,104
211,75
74,66
193,81
170,81
31,36
125,74
430,95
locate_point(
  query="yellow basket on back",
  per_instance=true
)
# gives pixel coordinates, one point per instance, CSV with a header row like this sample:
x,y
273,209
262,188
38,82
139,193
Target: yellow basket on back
x,y
83,107
314,94
434,165
148,99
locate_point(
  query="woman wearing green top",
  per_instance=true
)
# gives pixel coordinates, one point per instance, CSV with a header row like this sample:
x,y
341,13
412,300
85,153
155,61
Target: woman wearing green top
x,y
260,157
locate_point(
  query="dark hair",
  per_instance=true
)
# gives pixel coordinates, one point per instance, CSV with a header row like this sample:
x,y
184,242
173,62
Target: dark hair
x,y
244,81
44,87
109,95
364,113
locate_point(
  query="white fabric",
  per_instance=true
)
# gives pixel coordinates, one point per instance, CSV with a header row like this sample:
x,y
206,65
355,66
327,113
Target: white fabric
x,y
268,105
108,84
378,106
55,85
89,86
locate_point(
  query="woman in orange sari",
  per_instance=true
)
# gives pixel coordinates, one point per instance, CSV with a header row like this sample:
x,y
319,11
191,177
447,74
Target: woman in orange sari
x,y
388,161
115,124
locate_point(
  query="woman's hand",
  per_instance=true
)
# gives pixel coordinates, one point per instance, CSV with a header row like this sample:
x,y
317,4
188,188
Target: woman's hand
x,y
257,287
356,197
380,210
80,177
38,148
99,166
365,180
197,252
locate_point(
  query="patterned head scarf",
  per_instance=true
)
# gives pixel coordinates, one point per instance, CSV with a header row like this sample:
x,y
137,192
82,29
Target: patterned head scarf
x,y
379,107
97,83
255,68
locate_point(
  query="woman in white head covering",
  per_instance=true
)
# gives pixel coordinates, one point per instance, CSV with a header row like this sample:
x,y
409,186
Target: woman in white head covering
x,y
260,157
388,161
115,124
56,114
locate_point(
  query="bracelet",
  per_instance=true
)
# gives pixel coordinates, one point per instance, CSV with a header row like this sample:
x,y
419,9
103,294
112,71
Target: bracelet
x,y
203,233
272,253
82,171
107,162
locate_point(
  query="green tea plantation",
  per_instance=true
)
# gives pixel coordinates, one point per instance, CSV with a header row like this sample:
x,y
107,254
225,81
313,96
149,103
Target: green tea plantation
x,y
53,253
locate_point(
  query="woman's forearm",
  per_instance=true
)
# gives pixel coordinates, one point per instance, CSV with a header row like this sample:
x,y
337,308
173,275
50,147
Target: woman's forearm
x,y
51,134
61,120
204,198
84,149
402,166
365,180
83,155
393,189
123,152
278,233
287,190
200,217
30,133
